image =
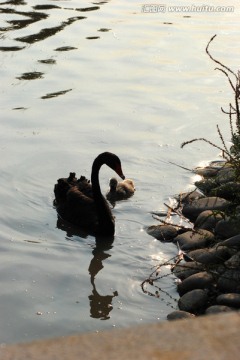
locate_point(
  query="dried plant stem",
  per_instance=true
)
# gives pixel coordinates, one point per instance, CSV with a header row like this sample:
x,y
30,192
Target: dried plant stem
x,y
217,61
207,141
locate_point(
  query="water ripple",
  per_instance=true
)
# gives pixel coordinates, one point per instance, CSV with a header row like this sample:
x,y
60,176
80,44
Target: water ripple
x,y
30,75
66,48
55,94
40,12
92,8
18,24
45,33
11,48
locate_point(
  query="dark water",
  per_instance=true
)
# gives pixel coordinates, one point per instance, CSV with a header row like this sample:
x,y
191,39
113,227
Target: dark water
x,y
78,79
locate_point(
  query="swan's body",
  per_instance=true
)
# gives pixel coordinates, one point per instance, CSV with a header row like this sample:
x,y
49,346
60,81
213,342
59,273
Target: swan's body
x,y
82,203
120,190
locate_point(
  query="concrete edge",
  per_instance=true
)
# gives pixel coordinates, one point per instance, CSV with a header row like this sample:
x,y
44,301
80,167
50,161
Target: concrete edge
x,y
208,337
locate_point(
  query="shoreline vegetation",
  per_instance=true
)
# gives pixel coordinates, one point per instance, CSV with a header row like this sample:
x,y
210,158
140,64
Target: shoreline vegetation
x,y
207,266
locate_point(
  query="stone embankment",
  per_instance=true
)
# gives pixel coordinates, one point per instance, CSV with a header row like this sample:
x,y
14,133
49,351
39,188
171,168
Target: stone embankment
x,y
209,269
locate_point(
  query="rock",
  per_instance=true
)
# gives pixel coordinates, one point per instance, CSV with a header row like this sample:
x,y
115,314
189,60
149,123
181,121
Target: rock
x,y
162,232
210,256
188,197
208,219
206,185
225,175
178,314
228,228
193,301
229,191
218,164
191,240
232,242
201,280
192,210
182,271
206,171
230,299
229,281
215,309
234,261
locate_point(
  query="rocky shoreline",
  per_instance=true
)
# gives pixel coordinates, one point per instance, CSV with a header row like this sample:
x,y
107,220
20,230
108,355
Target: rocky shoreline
x,y
208,265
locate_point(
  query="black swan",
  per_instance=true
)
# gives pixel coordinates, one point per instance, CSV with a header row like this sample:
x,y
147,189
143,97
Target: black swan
x,y
82,203
120,190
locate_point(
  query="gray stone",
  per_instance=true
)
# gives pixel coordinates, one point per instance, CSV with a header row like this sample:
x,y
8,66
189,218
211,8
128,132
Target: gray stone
x,y
229,281
232,242
230,299
162,232
218,268
206,185
193,301
191,240
208,219
218,164
210,256
225,175
228,228
178,314
188,197
192,210
201,280
183,271
215,309
206,171
229,191
234,261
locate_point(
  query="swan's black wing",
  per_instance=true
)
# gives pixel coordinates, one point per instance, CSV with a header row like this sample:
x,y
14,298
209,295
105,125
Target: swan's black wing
x,y
62,187
65,184
74,200
85,186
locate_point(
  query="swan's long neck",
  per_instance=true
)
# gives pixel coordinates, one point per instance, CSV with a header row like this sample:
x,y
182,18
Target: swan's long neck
x,y
105,218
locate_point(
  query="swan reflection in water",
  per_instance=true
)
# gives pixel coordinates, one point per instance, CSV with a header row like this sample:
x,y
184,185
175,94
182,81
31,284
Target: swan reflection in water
x,y
100,305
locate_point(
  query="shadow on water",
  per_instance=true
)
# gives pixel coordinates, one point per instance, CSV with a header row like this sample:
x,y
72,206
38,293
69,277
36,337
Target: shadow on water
x,y
100,305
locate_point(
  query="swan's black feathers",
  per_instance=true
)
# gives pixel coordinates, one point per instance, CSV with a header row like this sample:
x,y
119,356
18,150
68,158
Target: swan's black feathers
x,y
81,202
65,184
74,199
84,185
